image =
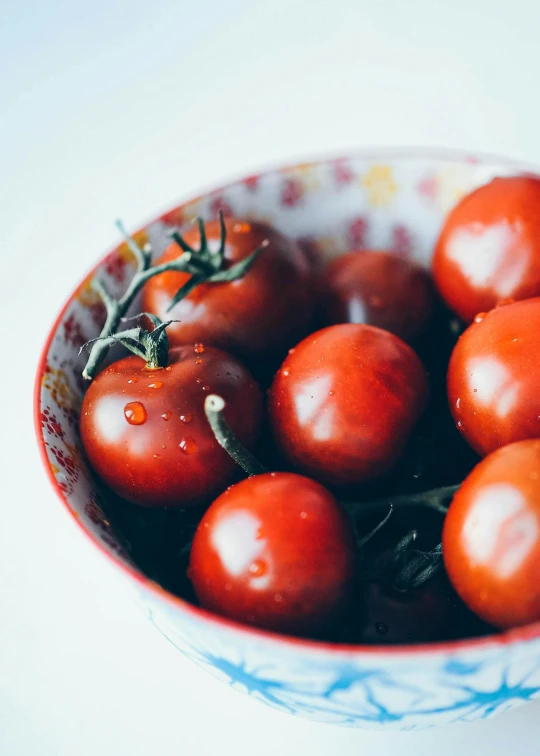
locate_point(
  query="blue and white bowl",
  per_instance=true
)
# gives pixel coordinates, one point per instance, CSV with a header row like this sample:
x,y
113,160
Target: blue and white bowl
x,y
382,200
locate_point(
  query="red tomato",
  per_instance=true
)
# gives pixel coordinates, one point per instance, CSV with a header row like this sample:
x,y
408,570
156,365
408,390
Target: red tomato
x,y
264,312
145,432
491,537
489,247
276,551
413,616
494,377
344,402
377,288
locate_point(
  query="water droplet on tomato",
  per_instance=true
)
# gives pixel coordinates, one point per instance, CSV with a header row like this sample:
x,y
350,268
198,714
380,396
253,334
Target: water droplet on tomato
x,y
278,597
199,380
157,456
332,393
198,361
155,385
285,372
167,415
198,348
258,568
303,515
479,318
168,369
272,474
458,402
133,380
459,424
381,628
188,445
292,350
135,413
206,388
187,418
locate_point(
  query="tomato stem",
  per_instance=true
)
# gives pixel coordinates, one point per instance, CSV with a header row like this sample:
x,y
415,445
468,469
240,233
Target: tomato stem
x,y
362,541
117,308
434,499
203,266
213,407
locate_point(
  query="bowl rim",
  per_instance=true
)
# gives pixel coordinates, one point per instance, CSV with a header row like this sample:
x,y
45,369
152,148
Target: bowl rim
x,y
504,638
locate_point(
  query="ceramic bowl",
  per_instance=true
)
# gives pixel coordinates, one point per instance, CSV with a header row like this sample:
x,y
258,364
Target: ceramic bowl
x,y
385,200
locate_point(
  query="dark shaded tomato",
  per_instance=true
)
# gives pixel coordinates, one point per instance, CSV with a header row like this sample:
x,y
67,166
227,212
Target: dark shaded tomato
x,y
145,432
489,247
377,288
345,401
276,551
491,537
413,616
262,313
494,377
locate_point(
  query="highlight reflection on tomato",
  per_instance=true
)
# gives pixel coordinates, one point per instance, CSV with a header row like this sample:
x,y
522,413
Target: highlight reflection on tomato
x,y
276,551
489,247
344,402
145,432
491,537
494,377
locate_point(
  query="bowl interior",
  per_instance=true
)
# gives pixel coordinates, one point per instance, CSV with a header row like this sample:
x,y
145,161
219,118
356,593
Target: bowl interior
x,y
390,200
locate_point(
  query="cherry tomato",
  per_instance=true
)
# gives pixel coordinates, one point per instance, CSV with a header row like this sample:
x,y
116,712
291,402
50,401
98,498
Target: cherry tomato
x,y
262,313
494,377
276,551
491,536
413,616
145,432
377,288
345,401
489,247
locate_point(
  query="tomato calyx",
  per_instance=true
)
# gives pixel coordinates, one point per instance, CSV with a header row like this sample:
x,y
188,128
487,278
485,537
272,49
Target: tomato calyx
x,y
207,266
214,406
404,567
151,345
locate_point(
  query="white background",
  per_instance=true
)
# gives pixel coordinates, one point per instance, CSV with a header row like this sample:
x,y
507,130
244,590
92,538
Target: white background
x,y
118,109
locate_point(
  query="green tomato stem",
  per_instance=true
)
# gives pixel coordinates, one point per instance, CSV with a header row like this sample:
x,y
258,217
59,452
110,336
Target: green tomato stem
x,y
213,408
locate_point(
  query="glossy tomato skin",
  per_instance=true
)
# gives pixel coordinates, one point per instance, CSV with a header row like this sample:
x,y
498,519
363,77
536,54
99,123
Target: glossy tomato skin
x,y
489,247
261,314
491,537
145,432
345,401
378,288
494,377
276,551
